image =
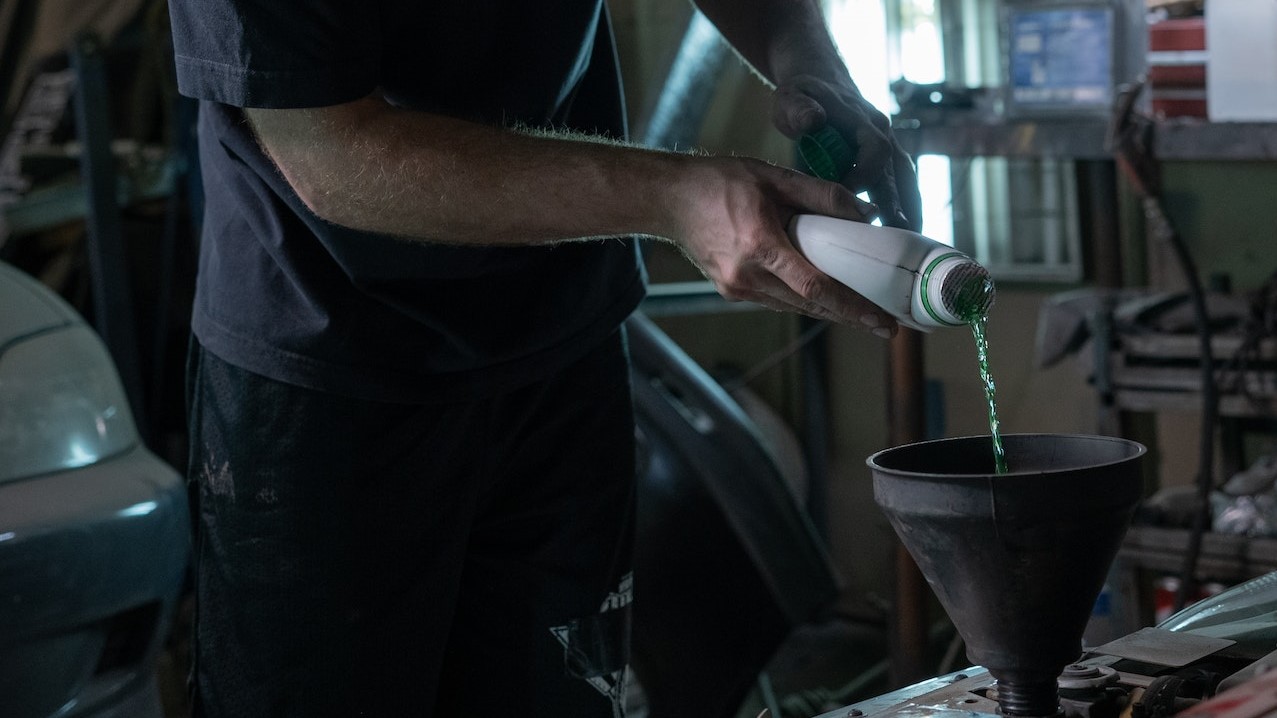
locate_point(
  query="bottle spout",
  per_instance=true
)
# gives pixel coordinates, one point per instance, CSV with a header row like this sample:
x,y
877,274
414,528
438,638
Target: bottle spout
x,y
955,290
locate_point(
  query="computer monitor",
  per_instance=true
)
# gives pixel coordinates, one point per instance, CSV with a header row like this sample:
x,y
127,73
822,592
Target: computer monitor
x,y
1067,57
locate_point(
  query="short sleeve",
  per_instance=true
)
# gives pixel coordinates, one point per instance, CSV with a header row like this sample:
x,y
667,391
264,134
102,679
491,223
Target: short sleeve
x,y
276,54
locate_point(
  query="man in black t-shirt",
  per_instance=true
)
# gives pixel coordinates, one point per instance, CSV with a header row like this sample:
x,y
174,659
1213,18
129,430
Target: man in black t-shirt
x,y
412,442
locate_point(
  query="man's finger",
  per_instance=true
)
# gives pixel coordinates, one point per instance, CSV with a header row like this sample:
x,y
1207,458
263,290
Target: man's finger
x,y
884,194
796,282
815,196
795,113
872,155
907,191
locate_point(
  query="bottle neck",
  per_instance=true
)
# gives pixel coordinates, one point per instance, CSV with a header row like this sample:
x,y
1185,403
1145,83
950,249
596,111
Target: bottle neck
x,y
955,290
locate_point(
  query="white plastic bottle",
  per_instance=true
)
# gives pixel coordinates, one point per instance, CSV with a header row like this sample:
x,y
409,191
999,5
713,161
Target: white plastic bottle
x,y
922,283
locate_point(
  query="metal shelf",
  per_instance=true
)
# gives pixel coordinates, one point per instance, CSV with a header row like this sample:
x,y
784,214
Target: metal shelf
x,y
1077,139
1156,371
671,299
1179,139
1198,140
1224,557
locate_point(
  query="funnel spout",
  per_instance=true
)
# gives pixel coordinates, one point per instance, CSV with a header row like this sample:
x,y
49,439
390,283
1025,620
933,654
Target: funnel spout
x,y
1038,698
1016,559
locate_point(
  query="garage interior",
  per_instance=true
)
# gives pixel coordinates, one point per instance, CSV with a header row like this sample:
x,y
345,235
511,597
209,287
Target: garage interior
x,y
1126,218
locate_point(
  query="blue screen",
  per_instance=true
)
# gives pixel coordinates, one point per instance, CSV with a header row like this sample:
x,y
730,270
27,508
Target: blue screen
x,y
1062,57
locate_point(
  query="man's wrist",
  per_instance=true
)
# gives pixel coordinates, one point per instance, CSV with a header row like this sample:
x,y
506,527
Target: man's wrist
x,y
802,46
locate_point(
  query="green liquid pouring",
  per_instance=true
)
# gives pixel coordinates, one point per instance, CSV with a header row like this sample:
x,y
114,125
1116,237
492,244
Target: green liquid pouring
x,y
978,329
830,157
972,306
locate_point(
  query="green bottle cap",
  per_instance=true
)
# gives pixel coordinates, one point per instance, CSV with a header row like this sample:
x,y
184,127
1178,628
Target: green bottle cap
x,y
827,153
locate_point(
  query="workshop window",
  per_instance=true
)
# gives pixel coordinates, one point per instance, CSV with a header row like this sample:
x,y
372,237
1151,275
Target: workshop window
x,y
1016,216
886,39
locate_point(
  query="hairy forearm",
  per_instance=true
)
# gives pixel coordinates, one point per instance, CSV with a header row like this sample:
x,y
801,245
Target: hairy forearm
x,y
369,166
377,168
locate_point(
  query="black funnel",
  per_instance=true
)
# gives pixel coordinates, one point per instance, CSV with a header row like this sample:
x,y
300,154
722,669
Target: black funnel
x,y
1016,559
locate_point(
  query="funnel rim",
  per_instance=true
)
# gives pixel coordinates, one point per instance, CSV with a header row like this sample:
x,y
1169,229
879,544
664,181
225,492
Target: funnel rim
x,y
872,460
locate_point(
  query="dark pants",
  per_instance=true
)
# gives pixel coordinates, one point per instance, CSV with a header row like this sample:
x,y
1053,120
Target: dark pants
x,y
358,558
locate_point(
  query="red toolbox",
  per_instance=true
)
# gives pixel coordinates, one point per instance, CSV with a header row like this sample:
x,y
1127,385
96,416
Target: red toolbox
x,y
1177,67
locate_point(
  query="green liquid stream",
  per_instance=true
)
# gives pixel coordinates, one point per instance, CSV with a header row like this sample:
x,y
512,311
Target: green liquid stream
x,y
972,305
979,329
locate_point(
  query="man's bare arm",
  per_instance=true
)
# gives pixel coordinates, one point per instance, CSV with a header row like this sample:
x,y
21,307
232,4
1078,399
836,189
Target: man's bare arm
x,y
374,167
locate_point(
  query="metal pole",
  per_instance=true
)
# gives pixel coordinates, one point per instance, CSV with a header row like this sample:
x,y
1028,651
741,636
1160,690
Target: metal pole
x,y
906,416
112,296
1097,194
1097,206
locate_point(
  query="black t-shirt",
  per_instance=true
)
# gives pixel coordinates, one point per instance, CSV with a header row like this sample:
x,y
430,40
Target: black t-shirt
x,y
284,294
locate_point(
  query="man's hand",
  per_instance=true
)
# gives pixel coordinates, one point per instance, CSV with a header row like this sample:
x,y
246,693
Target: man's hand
x,y
732,222
805,103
